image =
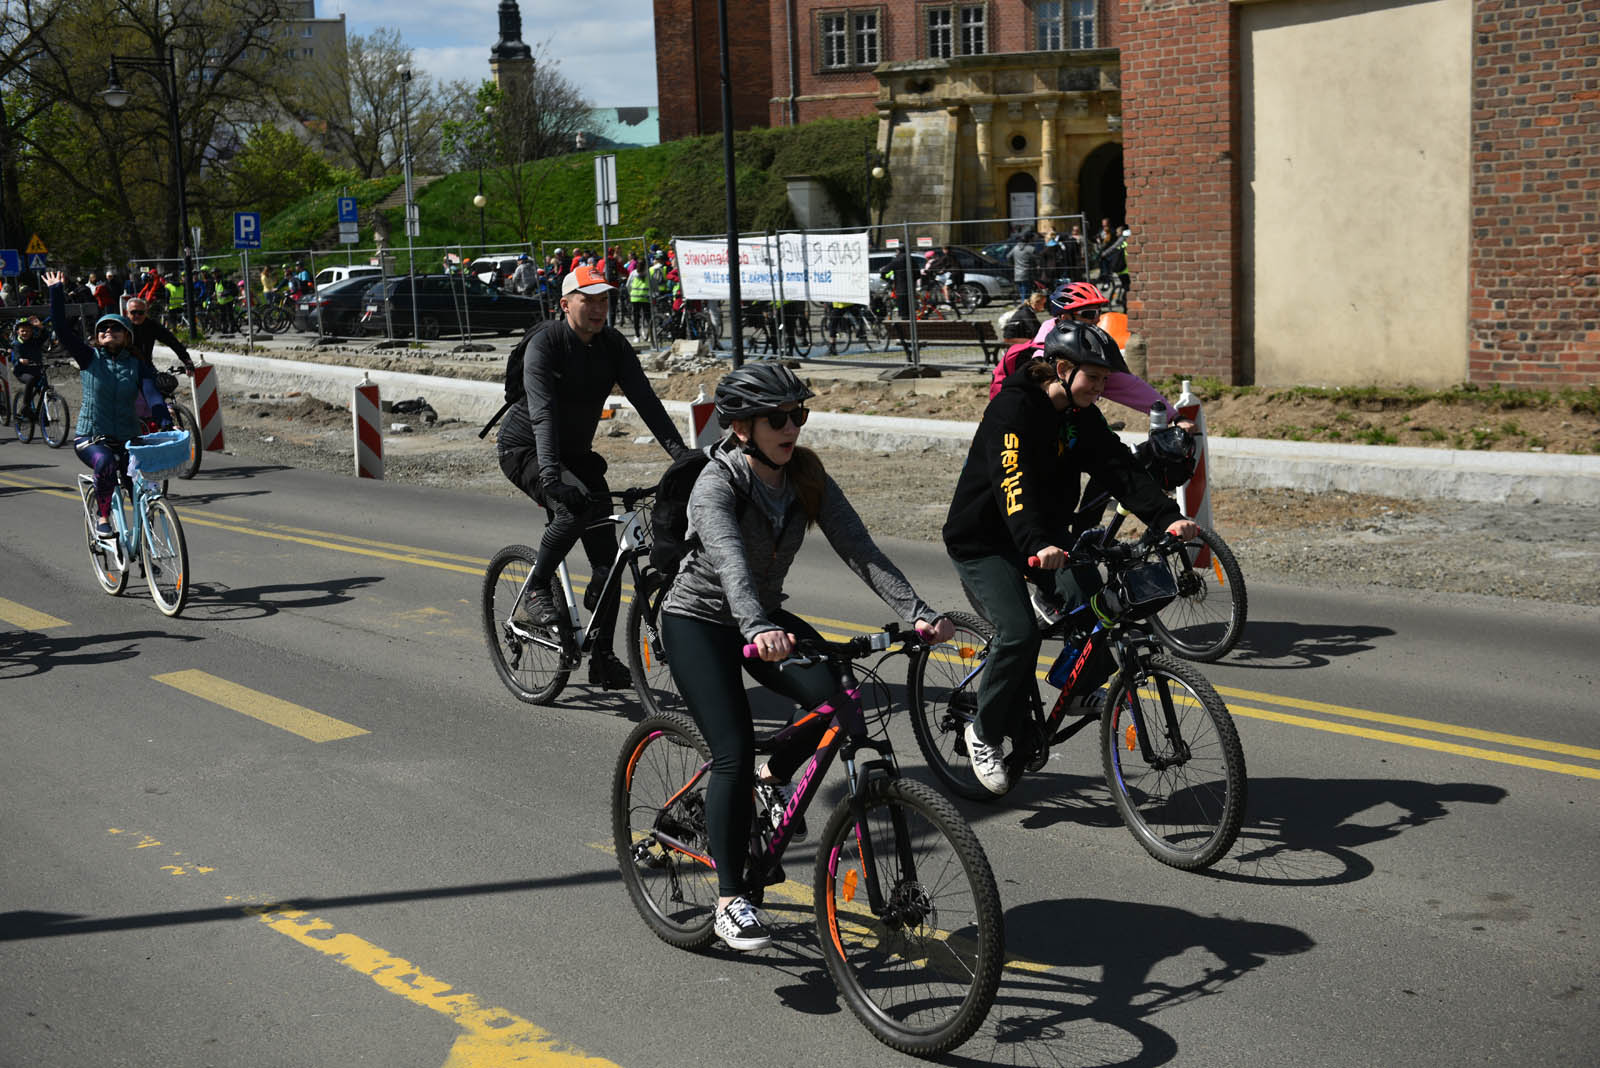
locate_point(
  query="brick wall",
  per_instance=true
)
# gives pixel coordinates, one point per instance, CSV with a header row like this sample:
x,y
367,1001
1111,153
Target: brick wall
x,y
1535,257
688,67
1179,112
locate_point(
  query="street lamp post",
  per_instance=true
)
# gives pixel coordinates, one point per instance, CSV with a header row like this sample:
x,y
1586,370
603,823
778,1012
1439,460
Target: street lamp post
x,y
166,72
480,200
411,206
875,173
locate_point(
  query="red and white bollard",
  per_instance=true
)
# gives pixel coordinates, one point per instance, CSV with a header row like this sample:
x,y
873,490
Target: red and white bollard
x,y
703,426
366,414
207,408
1194,496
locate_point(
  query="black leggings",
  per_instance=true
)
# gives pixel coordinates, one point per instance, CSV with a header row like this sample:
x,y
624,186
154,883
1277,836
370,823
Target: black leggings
x,y
707,660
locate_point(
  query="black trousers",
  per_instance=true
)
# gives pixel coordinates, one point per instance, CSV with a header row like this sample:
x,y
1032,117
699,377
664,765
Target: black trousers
x,y
563,529
708,664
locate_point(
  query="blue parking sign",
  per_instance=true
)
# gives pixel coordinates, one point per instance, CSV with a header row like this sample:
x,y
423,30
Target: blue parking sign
x,y
247,229
347,210
10,262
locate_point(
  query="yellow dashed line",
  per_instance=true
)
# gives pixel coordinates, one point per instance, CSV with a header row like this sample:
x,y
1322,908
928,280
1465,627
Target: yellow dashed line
x,y
230,695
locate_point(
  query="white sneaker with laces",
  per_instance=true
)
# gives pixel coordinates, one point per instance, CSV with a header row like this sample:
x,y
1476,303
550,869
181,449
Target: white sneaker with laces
x,y
740,927
988,763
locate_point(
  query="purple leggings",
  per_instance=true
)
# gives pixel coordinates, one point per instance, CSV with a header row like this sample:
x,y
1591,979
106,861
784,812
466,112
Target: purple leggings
x,y
105,460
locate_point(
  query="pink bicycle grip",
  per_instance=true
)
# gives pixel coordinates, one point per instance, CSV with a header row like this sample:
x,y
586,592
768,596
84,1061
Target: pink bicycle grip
x,y
752,651
1033,561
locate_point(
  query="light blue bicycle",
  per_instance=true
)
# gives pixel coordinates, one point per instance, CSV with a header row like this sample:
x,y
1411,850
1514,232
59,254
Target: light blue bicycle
x,y
147,531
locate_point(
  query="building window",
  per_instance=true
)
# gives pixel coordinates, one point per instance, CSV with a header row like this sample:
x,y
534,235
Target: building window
x,y
305,31
957,30
850,38
1064,24
866,37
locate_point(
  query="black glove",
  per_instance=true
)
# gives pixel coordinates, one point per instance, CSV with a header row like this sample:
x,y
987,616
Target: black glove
x,y
567,496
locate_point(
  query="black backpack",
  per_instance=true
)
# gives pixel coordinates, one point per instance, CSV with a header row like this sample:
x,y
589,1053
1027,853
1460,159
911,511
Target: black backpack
x,y
515,390
669,516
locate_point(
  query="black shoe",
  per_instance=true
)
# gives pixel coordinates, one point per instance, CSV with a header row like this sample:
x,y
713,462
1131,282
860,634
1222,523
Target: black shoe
x,y
538,607
597,582
609,673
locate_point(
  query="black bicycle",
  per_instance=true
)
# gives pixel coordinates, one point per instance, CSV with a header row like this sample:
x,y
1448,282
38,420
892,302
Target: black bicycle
x,y
48,413
907,913
1171,755
182,418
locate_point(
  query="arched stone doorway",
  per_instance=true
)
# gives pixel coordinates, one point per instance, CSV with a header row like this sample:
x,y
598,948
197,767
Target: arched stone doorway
x,y
1102,194
1022,200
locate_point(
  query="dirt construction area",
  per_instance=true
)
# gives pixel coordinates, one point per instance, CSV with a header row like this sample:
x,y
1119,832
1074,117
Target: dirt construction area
x,y
1548,552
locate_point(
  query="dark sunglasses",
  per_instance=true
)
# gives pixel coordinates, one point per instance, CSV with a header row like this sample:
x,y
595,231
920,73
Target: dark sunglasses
x,y
135,313
779,419
110,328
1090,314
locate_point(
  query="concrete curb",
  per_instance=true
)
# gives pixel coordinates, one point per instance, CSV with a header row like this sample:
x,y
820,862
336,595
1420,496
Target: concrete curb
x,y
1387,471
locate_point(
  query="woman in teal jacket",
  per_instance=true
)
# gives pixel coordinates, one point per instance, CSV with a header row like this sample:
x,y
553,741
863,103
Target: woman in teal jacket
x,y
112,376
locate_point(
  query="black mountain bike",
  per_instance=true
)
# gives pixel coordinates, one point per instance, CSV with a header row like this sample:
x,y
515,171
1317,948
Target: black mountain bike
x,y
1171,755
48,414
182,418
907,914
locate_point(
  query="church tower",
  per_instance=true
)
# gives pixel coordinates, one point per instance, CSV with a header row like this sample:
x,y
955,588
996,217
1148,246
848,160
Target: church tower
x,y
511,61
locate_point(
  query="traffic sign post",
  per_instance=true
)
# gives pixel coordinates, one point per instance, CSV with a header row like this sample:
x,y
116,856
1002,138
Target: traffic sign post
x,y
247,229
606,211
10,262
349,221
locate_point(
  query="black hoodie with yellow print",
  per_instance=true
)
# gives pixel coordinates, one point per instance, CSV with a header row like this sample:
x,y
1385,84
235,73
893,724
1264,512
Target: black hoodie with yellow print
x,y
1019,487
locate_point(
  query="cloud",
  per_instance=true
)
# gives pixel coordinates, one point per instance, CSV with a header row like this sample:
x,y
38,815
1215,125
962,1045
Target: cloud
x,y
611,59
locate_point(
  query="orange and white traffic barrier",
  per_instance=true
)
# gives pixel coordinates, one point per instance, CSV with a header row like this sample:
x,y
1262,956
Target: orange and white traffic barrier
x,y
207,408
1194,496
366,413
703,426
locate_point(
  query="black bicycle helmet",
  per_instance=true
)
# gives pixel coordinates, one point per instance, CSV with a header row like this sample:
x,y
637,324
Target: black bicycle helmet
x,y
1169,455
758,387
1084,344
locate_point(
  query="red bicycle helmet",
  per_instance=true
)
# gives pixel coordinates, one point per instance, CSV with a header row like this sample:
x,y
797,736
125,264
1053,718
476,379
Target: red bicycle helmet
x,y
1074,295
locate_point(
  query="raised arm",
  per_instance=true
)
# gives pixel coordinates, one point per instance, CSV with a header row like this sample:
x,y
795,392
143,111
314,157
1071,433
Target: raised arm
x,y
76,347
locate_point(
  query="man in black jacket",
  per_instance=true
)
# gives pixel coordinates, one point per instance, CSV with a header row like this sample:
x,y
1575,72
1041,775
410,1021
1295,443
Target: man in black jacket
x,y
546,448
1015,499
147,331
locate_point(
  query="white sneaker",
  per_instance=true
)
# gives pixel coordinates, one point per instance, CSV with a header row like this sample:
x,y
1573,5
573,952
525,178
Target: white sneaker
x,y
738,925
988,763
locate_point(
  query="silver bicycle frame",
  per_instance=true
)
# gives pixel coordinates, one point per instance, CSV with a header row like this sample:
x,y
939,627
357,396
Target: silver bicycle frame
x,y
632,538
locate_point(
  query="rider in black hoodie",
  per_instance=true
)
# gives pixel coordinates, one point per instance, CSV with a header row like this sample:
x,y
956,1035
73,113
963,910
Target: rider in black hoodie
x,y
1015,499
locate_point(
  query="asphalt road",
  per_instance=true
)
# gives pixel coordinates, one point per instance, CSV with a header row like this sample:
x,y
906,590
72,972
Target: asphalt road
x,y
189,881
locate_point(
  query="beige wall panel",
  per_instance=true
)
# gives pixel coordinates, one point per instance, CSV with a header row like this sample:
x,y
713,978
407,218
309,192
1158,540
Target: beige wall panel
x,y
1355,119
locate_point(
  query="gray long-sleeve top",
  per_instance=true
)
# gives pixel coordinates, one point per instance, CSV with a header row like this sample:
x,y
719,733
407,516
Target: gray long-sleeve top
x,y
735,574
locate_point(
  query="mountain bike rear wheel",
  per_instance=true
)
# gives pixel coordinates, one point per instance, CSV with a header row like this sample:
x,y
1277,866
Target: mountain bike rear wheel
x,y
1209,614
942,691
166,558
921,971
111,575
658,823
1185,804
647,654
527,656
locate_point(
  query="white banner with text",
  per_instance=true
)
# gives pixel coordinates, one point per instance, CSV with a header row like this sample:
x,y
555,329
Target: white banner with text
x,y
816,267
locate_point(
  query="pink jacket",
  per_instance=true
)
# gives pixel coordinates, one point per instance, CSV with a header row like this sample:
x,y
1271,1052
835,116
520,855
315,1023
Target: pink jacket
x,y
1128,390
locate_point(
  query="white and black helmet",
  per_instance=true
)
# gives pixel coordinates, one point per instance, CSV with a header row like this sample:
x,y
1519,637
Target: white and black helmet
x,y
763,386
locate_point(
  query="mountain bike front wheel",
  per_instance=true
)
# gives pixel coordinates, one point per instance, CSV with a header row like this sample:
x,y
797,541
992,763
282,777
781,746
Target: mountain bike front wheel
x,y
526,655
1208,616
166,558
647,653
185,421
1184,799
658,823
920,967
55,420
942,689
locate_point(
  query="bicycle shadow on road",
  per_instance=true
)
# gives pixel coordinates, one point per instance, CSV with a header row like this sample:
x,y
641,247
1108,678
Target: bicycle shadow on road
x,y
24,654
1307,832
217,601
1282,645
187,498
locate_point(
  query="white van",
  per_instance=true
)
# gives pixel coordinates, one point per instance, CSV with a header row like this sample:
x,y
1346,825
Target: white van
x,y
338,274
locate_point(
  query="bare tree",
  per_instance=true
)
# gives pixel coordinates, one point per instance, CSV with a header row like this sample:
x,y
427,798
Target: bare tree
x,y
22,24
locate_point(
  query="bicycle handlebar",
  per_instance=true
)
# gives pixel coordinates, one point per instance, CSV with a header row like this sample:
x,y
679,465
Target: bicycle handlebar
x,y
1089,548
851,649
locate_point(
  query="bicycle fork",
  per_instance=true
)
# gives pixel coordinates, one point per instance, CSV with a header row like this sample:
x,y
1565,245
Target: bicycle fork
x,y
1138,730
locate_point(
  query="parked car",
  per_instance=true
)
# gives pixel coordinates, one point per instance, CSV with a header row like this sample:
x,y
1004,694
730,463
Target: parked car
x,y
985,280
484,267
330,275
446,304
335,308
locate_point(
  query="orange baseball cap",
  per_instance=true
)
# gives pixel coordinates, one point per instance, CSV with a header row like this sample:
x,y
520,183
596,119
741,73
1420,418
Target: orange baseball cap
x,y
586,279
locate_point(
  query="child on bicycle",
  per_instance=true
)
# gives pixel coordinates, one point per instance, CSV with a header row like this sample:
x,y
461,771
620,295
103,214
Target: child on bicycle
x,y
748,513
1015,498
113,378
27,360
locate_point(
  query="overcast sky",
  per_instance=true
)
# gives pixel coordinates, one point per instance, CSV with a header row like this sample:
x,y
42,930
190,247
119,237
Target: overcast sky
x,y
607,50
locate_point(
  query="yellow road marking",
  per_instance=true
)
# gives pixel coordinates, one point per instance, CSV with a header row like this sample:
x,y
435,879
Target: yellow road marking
x,y
20,615
230,695
1417,743
495,1038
